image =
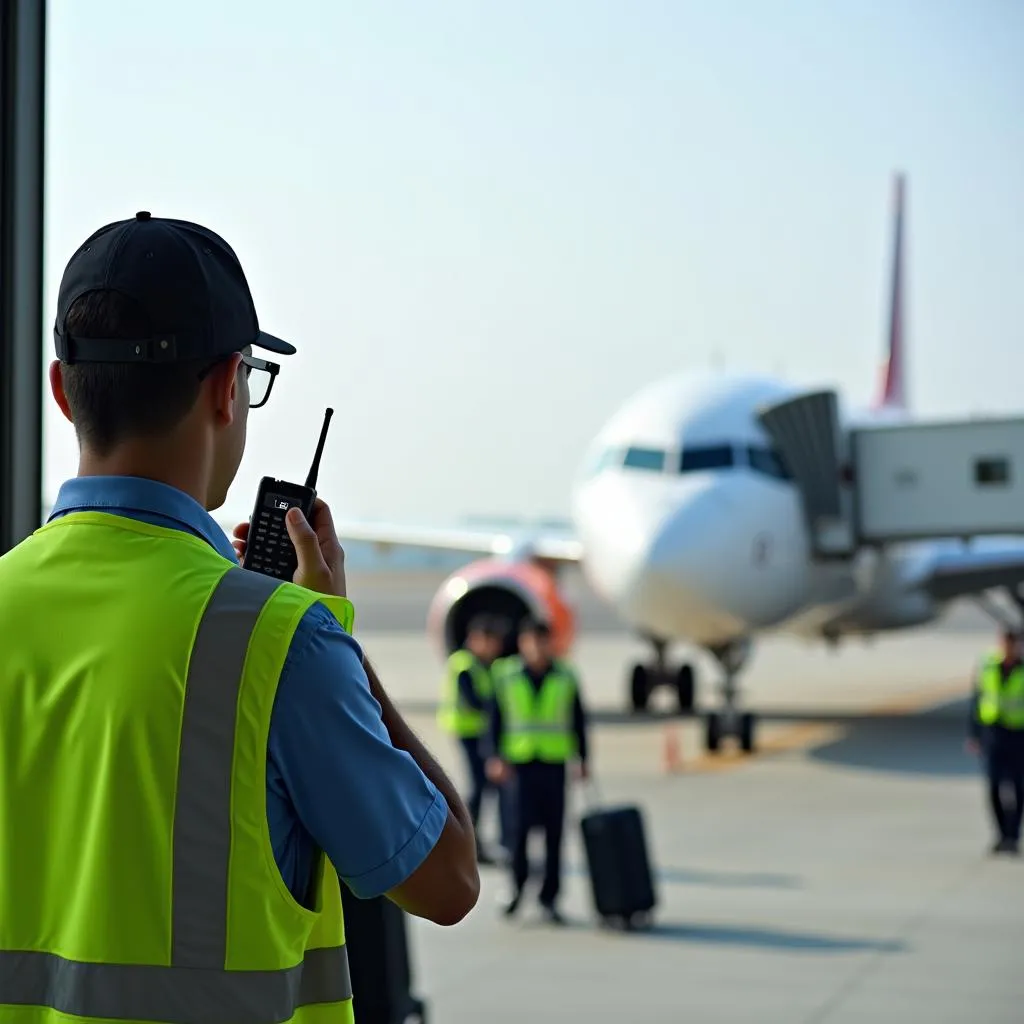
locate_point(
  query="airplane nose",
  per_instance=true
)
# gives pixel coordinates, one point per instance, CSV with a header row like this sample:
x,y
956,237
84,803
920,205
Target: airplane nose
x,y
679,582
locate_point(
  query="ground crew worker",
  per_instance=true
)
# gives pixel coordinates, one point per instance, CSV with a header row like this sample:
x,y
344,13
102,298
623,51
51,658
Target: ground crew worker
x,y
463,711
997,731
538,728
197,751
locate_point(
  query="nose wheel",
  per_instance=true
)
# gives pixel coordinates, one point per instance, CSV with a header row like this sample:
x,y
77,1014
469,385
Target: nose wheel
x,y
730,722
719,725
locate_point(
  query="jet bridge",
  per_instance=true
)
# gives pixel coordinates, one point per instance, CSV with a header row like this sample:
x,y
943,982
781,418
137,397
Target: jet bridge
x,y
869,486
806,432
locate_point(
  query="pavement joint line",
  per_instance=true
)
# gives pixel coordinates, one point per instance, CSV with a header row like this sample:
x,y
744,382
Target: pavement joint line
x,y
810,734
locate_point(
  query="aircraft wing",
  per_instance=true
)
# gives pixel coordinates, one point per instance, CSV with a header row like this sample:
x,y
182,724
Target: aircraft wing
x,y
551,546
972,570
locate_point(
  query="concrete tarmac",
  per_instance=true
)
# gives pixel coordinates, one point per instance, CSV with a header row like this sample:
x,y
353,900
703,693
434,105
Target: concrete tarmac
x,y
840,875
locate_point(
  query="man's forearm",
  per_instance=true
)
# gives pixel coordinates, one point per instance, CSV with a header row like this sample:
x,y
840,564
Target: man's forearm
x,y
405,739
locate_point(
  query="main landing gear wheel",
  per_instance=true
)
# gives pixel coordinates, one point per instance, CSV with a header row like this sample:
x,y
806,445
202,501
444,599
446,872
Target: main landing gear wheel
x,y
639,688
686,688
645,679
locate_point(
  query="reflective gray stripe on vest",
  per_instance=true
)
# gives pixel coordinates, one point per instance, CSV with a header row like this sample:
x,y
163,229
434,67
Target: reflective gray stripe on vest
x,y
195,988
202,813
531,729
170,995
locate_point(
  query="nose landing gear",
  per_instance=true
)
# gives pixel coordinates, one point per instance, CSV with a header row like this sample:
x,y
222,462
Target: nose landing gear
x,y
730,721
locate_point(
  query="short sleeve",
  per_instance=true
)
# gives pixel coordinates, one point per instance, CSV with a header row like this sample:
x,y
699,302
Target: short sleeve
x,y
367,804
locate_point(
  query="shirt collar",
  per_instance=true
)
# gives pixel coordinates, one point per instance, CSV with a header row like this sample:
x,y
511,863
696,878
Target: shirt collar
x,y
137,497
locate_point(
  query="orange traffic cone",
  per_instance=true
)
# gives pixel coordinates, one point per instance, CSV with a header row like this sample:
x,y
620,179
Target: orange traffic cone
x,y
671,760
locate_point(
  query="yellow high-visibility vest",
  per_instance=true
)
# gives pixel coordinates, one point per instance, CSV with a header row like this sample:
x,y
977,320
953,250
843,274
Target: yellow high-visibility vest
x,y
139,884
1001,703
537,725
453,714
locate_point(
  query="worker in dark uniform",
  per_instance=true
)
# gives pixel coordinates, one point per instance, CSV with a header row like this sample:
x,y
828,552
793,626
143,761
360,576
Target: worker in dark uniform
x,y
997,732
538,728
464,708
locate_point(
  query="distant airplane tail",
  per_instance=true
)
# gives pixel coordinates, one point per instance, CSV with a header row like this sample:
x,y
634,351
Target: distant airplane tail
x,y
893,385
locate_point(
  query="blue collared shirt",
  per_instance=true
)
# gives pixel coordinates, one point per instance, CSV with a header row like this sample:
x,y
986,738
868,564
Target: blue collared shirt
x,y
326,735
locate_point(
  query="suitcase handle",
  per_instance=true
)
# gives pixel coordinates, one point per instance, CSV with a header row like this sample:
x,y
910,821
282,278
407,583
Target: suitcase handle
x,y
592,800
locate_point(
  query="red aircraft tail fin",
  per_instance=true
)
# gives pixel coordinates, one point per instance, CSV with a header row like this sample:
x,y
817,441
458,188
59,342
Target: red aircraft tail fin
x,y
893,385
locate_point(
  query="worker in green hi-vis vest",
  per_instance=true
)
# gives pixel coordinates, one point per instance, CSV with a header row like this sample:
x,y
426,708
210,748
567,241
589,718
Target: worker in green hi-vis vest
x,y
997,732
196,756
463,712
538,736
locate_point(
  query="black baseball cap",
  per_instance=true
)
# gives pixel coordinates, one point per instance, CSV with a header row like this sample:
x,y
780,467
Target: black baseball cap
x,y
184,277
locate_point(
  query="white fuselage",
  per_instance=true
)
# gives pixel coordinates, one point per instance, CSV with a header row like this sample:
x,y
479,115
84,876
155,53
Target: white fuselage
x,y
693,532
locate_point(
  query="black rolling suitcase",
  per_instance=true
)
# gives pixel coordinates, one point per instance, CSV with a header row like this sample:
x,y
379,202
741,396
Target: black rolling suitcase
x,y
621,880
378,959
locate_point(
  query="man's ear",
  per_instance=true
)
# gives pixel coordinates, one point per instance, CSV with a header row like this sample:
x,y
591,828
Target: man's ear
x,y
57,389
225,388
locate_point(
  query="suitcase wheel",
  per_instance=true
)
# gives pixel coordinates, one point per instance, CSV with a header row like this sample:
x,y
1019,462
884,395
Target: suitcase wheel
x,y
626,922
417,1013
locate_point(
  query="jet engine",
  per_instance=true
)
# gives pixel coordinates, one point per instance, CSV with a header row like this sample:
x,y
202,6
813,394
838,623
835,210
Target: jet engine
x,y
496,587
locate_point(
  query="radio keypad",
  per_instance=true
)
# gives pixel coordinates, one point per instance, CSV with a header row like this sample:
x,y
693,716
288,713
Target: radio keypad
x,y
273,553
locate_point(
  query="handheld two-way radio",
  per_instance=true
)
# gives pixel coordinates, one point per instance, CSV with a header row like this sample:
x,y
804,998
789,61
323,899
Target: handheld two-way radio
x,y
268,548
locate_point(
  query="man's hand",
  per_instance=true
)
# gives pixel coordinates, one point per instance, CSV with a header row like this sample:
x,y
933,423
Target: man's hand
x,y
320,555
972,746
497,771
580,772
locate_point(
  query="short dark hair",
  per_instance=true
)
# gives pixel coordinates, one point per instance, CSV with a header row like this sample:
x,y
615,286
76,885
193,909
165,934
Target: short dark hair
x,y
488,625
116,402
531,624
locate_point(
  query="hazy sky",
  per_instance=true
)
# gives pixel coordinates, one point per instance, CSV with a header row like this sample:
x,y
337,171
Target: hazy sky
x,y
485,225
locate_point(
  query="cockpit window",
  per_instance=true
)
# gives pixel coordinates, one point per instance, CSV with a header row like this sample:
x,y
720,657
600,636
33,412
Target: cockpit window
x,y
645,458
603,460
695,460
764,460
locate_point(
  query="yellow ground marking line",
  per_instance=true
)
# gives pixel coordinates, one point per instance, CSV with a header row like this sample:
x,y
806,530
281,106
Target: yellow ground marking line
x,y
806,735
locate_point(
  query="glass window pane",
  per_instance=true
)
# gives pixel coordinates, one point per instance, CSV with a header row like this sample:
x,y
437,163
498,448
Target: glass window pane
x,y
645,458
766,461
694,460
604,459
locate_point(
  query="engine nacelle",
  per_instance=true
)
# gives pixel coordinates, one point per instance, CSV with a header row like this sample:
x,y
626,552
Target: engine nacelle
x,y
496,587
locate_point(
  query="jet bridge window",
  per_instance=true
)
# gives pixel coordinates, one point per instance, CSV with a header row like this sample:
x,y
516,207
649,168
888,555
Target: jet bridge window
x,y
645,458
992,472
695,460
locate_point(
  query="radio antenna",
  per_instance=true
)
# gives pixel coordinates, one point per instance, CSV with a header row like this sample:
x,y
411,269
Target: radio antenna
x,y
314,470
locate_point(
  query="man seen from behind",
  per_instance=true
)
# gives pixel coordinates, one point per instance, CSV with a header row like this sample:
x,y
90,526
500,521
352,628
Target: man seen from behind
x,y
192,752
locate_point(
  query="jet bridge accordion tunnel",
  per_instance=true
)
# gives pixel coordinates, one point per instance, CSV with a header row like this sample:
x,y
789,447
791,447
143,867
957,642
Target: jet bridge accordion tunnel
x,y
805,430
884,483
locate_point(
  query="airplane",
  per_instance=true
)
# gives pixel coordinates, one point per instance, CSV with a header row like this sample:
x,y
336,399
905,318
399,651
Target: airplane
x,y
688,523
